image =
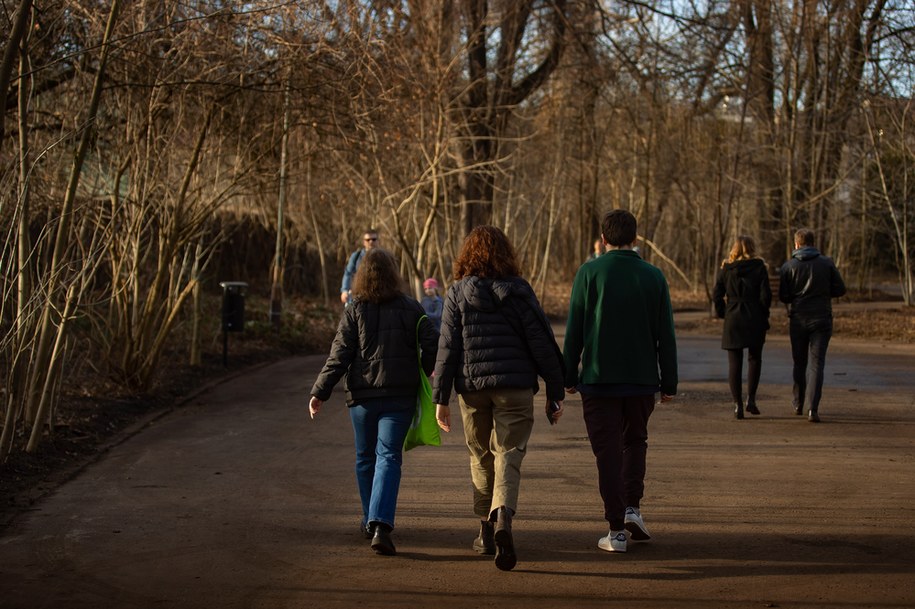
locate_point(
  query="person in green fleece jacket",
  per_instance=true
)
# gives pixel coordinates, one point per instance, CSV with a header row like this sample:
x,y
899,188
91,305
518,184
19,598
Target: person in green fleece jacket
x,y
620,351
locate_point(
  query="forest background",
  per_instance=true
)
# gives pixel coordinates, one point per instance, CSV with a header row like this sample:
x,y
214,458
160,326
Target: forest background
x,y
150,150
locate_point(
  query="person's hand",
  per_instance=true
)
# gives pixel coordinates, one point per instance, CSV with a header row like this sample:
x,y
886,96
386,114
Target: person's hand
x,y
666,398
344,297
314,406
443,416
571,390
554,414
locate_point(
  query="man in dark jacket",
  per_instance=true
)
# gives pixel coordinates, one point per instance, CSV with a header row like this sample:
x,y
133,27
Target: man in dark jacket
x,y
620,330
807,284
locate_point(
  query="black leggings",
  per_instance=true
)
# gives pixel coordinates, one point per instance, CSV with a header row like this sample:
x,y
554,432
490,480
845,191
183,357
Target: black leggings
x,y
735,373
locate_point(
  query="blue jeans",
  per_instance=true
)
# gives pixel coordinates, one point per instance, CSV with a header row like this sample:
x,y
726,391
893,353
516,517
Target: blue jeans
x,y
809,341
380,426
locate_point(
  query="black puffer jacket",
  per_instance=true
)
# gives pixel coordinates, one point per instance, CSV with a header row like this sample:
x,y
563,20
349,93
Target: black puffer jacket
x,y
742,297
375,347
808,283
494,335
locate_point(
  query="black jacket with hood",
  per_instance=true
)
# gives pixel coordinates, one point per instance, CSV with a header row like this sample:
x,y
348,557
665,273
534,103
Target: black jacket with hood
x,y
495,335
375,347
808,283
742,297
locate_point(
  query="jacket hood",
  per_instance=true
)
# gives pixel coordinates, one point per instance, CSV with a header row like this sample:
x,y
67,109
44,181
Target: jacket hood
x,y
745,267
806,253
488,294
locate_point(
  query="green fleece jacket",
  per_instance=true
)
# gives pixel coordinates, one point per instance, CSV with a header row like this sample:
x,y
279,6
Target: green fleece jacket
x,y
620,328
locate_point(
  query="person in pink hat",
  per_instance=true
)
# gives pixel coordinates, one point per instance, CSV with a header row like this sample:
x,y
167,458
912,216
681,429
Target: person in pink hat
x,y
432,302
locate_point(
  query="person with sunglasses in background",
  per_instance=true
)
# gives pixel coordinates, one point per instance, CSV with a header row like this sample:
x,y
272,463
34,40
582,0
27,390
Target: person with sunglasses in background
x,y
370,241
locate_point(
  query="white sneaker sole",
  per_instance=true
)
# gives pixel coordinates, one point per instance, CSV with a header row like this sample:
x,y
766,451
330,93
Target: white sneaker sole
x,y
606,547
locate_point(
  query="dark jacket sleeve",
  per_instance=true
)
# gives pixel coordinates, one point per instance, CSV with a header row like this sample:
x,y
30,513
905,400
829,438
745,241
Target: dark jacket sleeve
x,y
450,349
428,344
765,290
718,295
573,344
342,352
542,344
785,289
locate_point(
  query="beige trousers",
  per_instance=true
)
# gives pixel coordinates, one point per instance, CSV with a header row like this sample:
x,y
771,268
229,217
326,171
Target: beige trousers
x,y
497,426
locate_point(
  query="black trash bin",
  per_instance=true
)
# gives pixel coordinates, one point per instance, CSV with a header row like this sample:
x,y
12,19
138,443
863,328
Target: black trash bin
x,y
233,312
233,305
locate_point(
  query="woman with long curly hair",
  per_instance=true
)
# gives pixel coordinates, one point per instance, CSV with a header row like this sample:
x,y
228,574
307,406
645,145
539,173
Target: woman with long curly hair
x,y
495,343
742,296
375,348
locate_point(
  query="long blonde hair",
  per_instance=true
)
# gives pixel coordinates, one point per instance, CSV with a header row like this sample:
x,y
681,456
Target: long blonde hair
x,y
744,248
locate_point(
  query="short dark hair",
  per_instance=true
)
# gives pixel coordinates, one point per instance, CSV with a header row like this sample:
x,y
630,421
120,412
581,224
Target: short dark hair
x,y
377,280
619,227
804,236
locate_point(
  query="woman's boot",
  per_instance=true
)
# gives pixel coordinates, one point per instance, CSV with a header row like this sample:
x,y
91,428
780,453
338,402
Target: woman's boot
x,y
485,543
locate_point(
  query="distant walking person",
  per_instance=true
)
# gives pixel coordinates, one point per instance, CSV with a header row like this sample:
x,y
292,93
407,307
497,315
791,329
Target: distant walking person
x,y
620,351
807,284
370,241
742,297
432,302
495,342
375,348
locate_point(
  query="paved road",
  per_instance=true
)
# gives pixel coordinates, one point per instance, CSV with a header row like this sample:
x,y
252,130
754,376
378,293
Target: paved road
x,y
237,500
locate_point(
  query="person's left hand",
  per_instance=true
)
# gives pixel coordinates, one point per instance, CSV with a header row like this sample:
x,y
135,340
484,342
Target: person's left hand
x,y
666,398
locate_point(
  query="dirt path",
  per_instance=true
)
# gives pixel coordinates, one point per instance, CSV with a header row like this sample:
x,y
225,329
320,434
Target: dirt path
x,y
239,501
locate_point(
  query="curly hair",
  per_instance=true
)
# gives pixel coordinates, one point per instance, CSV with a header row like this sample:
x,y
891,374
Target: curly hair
x,y
377,280
487,253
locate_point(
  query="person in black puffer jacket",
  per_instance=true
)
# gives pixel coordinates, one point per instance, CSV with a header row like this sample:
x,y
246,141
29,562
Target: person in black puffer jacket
x,y
742,298
807,284
375,348
495,343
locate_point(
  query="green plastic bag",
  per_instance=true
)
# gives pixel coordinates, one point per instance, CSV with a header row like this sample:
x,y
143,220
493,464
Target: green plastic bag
x,y
424,428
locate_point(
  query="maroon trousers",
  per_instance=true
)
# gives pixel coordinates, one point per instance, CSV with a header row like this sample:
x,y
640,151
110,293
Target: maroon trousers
x,y
618,431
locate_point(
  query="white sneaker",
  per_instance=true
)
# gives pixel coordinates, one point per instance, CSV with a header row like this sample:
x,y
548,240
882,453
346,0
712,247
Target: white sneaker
x,y
635,525
615,541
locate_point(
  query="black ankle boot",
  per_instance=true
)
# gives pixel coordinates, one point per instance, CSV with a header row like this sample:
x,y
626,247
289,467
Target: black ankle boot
x,y
505,545
738,411
751,407
485,543
381,541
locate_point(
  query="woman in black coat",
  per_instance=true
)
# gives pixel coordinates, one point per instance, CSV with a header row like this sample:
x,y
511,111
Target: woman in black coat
x,y
742,297
375,353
